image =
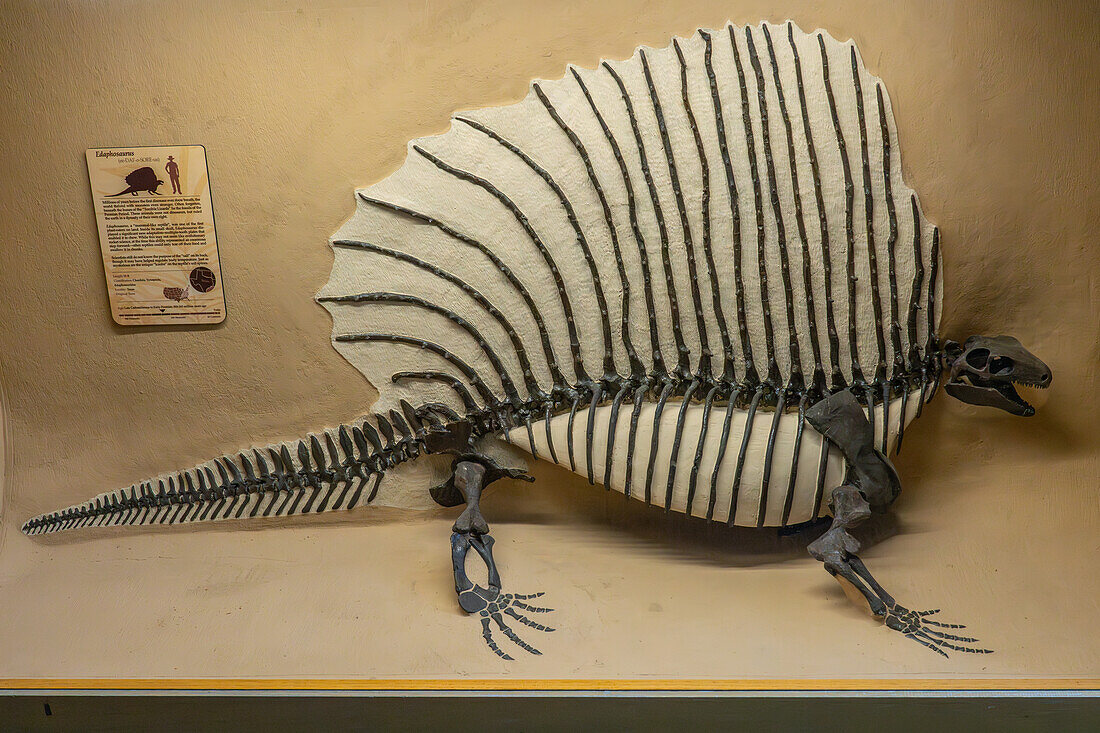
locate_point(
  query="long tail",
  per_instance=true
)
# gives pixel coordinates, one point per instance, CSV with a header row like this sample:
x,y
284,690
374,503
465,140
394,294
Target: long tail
x,y
334,469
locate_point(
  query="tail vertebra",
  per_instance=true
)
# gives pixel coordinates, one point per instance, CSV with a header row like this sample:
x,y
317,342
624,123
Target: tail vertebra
x,y
326,471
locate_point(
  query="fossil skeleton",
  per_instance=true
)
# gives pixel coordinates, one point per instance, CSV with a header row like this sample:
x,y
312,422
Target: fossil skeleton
x,y
695,276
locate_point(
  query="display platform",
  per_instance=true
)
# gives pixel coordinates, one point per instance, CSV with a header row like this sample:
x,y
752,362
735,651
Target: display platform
x,y
641,599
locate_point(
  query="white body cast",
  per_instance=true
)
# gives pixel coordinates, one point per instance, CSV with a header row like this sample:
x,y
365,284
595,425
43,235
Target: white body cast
x,y
806,482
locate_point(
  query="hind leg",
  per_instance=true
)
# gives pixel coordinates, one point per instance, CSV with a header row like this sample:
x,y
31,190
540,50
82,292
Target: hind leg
x,y
471,530
870,481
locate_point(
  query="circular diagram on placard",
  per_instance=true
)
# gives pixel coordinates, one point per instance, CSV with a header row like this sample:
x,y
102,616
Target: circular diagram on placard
x,y
202,279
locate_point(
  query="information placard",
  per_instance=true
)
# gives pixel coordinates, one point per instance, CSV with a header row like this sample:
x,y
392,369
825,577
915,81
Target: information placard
x,y
156,231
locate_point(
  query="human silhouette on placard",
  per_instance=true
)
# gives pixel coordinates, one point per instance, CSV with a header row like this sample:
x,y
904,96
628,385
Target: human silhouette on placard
x,y
174,173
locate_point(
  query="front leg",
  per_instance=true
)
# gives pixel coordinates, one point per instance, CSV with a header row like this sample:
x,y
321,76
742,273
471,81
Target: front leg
x,y
471,530
870,480
837,549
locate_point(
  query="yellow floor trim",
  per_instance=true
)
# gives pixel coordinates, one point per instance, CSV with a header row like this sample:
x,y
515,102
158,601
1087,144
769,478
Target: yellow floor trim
x,y
1054,683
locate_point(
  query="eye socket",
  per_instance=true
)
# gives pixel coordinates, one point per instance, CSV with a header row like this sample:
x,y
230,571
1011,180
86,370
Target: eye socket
x,y
1001,365
977,358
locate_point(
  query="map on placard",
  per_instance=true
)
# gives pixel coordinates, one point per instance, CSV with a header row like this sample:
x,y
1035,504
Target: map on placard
x,y
156,231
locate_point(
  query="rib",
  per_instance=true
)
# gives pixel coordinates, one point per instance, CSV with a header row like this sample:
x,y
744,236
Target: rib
x,y
788,499
822,469
611,427
723,442
550,436
597,393
679,434
531,437
569,432
704,424
901,420
736,489
885,416
639,395
769,454
654,442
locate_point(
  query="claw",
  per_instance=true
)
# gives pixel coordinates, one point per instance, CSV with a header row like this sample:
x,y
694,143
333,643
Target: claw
x,y
951,637
933,647
531,609
914,624
487,633
526,621
925,620
941,643
512,635
943,626
490,604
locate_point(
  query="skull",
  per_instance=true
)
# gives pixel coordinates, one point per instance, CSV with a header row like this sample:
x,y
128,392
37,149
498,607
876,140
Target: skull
x,y
984,369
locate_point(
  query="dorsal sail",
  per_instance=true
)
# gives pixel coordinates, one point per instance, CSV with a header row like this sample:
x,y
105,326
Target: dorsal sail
x,y
729,206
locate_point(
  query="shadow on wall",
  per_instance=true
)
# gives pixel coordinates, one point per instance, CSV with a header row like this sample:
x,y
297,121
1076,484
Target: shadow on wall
x,y
5,450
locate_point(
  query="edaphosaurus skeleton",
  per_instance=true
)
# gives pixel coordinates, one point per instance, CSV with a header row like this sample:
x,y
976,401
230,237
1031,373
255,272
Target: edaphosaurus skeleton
x,y
695,276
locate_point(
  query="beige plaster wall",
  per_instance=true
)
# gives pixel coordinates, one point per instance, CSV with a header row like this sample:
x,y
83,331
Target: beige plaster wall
x,y
299,103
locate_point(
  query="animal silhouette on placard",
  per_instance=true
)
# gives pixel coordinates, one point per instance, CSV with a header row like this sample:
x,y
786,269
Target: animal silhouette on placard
x,y
142,179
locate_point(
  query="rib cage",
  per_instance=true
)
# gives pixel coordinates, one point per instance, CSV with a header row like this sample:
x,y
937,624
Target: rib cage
x,y
713,461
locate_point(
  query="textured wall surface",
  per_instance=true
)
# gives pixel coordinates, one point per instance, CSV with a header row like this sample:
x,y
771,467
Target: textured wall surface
x,y
298,105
